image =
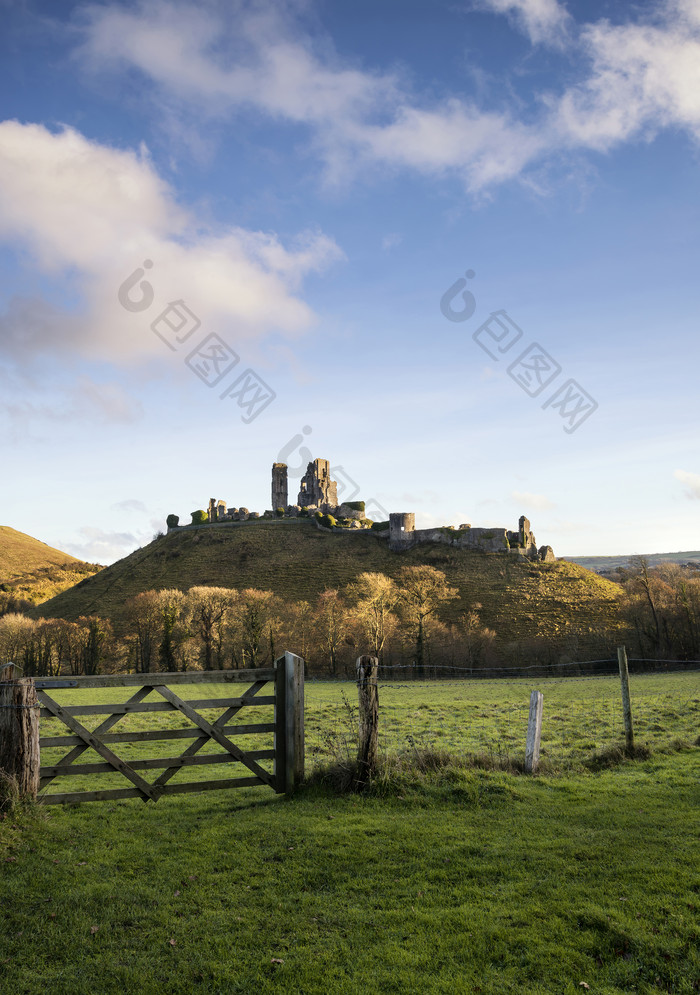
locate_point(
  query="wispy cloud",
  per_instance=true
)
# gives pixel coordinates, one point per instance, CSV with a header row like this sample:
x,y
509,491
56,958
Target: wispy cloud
x,y
391,240
544,21
98,546
131,504
528,500
634,78
82,400
691,482
257,56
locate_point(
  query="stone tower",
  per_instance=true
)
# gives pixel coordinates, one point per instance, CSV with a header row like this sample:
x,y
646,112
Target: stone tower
x,y
317,488
402,525
279,486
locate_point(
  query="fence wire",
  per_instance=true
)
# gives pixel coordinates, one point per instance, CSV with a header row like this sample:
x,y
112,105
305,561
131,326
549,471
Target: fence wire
x,y
479,715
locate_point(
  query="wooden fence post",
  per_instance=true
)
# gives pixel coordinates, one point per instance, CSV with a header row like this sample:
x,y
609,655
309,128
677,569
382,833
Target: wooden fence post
x,y
534,732
626,703
289,723
366,668
19,734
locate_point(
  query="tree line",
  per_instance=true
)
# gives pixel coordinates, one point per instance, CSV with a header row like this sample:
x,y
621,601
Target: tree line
x,y
214,628
401,621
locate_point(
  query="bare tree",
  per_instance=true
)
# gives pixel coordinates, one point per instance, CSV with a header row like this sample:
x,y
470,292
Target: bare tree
x,y
171,605
143,617
422,591
209,609
374,596
256,617
331,625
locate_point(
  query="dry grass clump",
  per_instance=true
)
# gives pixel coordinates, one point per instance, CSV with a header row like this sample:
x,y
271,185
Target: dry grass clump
x,y
615,755
418,766
9,792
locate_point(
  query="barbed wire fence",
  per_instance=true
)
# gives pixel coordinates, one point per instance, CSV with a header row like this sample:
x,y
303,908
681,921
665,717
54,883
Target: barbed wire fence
x,y
483,713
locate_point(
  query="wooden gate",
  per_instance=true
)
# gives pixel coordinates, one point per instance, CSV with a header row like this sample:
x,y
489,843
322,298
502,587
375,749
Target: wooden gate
x,y
285,680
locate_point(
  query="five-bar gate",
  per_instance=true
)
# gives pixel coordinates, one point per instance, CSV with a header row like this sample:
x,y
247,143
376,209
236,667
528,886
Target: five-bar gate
x,y
284,685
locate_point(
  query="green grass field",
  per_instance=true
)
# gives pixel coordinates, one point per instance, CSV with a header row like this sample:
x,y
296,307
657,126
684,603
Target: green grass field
x,y
463,880
582,718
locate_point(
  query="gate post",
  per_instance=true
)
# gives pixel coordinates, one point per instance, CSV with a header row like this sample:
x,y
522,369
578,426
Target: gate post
x,y
368,693
289,723
534,732
626,703
19,735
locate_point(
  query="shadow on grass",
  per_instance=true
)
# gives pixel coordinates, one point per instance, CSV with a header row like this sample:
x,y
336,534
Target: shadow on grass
x,y
618,754
415,768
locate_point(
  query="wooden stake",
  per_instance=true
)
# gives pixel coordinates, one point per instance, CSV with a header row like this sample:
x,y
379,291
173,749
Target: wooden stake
x,y
534,732
19,735
289,723
626,703
366,668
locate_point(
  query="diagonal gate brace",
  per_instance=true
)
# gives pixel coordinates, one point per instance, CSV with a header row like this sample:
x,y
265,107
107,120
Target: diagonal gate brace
x,y
105,726
222,720
92,742
214,734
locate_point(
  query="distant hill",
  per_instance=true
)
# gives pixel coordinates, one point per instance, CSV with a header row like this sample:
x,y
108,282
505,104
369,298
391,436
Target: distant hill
x,y
33,571
608,563
517,598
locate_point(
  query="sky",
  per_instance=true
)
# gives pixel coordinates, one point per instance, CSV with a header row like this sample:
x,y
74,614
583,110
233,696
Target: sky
x,y
451,247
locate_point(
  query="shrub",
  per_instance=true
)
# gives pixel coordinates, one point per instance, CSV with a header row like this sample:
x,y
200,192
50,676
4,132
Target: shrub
x,y
380,526
303,513
199,517
355,505
172,521
280,512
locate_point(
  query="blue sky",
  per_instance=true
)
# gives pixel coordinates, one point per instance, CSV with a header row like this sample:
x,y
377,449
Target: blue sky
x,y
309,179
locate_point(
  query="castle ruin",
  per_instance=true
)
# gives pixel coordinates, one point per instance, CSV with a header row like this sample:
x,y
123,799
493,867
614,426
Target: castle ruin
x,y
403,535
318,496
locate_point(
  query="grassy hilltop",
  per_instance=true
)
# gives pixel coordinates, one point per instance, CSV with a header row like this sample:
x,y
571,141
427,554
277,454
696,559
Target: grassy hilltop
x,y
297,561
33,571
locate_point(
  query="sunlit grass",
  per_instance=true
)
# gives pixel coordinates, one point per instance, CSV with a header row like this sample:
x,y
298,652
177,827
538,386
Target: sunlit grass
x,y
581,716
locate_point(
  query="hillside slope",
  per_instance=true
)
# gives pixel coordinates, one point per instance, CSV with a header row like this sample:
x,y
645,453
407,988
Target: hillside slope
x,y
610,563
297,561
31,570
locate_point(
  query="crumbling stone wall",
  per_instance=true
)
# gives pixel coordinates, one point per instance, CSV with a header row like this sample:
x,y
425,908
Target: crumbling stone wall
x,y
317,489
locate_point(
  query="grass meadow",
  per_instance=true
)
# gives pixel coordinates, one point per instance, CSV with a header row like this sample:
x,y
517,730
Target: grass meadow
x,y
459,877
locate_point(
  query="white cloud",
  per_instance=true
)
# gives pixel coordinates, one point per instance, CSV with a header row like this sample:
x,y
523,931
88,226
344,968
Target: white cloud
x,y
131,504
262,60
642,75
528,500
91,214
543,20
83,400
98,546
691,481
245,56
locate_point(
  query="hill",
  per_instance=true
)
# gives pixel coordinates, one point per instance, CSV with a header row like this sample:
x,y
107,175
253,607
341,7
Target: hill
x,y
606,564
516,597
32,571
